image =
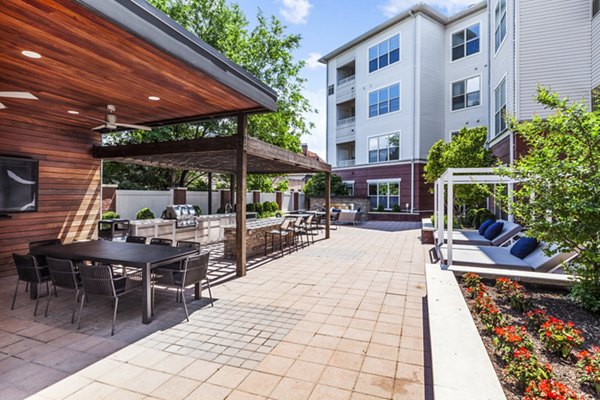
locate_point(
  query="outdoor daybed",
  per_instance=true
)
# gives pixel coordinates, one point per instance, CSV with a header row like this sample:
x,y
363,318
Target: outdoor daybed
x,y
500,257
474,238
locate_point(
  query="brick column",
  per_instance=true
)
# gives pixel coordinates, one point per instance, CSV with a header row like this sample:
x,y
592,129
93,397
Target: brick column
x,y
179,195
296,198
225,198
279,199
109,198
256,196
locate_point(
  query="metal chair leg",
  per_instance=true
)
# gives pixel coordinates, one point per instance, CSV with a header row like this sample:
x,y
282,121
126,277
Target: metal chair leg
x,y
209,292
185,305
112,332
15,296
75,308
281,244
48,302
83,297
37,301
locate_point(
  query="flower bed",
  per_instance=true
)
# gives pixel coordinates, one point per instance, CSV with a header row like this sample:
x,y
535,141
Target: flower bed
x,y
541,344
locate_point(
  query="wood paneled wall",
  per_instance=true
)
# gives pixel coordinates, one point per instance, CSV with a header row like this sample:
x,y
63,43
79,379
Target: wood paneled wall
x,y
69,185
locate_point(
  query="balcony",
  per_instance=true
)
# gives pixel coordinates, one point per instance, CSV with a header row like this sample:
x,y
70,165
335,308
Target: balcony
x,y
346,122
345,163
345,129
346,90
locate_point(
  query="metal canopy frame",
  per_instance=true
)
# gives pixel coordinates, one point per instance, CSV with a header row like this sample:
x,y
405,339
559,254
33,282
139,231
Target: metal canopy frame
x,y
462,176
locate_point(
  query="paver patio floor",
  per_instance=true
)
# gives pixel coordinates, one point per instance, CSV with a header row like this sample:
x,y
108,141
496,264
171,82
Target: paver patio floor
x,y
341,319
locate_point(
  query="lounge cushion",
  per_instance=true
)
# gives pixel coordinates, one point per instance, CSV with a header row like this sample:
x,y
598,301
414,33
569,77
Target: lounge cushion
x,y
486,224
524,247
493,230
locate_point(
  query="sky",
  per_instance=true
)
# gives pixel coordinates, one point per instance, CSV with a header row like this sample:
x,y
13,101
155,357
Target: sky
x,y
326,25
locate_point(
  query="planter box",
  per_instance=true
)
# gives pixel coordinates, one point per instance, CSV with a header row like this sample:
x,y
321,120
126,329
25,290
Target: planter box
x,y
461,366
427,231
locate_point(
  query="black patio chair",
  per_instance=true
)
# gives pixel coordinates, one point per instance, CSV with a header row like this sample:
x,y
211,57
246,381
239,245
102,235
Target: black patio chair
x,y
195,270
64,274
98,280
283,231
29,271
136,239
188,244
41,260
161,242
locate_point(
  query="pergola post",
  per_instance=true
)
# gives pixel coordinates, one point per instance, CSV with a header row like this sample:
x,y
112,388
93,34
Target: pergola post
x,y
327,204
240,215
232,190
450,214
209,193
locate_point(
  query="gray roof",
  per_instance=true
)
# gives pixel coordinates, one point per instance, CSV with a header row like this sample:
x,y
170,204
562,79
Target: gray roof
x,y
421,7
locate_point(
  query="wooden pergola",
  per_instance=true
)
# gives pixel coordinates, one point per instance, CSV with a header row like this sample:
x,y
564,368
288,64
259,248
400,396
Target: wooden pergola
x,y
67,60
236,155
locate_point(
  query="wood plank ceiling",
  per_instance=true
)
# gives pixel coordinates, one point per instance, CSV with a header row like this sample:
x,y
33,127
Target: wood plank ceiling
x,y
87,63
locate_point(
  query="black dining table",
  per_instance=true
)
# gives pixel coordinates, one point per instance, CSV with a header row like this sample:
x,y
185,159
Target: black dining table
x,y
143,256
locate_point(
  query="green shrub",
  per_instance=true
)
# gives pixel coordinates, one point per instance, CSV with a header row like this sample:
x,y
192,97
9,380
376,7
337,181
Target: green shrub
x,y
266,206
483,215
221,210
395,208
144,213
197,210
110,215
274,206
380,208
250,207
258,207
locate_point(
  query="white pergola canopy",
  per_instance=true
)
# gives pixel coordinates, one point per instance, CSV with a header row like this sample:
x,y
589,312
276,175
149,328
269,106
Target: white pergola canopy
x,y
462,176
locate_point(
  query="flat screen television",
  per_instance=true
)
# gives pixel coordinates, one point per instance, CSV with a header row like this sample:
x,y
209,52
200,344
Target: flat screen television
x,y
18,185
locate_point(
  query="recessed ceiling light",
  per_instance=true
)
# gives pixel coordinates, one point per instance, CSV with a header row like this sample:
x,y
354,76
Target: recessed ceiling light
x,y
73,112
154,98
31,54
2,106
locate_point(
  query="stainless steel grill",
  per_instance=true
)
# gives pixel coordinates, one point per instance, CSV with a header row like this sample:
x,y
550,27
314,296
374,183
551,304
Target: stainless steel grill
x,y
185,214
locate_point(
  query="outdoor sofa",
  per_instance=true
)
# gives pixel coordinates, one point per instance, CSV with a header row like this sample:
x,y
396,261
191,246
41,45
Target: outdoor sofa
x,y
500,257
474,238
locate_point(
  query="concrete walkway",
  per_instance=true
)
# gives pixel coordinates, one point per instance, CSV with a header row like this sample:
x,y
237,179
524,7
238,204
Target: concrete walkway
x,y
341,319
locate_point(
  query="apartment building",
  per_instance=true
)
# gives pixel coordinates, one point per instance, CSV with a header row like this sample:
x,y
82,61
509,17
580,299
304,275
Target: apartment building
x,y
421,76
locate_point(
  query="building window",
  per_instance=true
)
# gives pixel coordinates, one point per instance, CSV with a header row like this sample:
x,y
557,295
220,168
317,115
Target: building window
x,y
466,93
386,194
595,7
384,53
330,90
350,188
384,148
465,42
385,100
500,108
500,21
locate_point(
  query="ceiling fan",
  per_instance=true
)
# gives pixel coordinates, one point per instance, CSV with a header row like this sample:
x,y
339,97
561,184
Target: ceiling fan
x,y
16,95
110,121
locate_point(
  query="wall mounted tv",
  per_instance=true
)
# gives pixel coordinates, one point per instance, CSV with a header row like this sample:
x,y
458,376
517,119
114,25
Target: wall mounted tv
x,y
18,185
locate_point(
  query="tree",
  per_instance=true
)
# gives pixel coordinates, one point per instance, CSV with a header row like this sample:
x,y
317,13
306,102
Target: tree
x,y
315,187
265,51
465,150
559,197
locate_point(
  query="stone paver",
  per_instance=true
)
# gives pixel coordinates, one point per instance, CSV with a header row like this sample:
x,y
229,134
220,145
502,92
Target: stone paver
x,y
342,319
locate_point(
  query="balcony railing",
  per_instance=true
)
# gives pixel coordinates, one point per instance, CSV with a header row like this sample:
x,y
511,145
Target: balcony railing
x,y
345,163
346,80
346,122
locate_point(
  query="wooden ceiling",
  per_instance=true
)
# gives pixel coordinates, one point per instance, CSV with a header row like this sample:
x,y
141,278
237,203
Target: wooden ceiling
x,y
88,62
212,155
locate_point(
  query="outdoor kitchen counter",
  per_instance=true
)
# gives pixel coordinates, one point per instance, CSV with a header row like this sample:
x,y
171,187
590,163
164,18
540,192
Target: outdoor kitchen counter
x,y
255,236
209,228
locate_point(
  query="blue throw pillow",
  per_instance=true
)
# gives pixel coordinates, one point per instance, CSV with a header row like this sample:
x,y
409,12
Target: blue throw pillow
x,y
493,230
524,247
484,225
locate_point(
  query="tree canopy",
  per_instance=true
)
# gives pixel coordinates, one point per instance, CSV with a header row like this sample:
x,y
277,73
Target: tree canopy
x,y
465,150
265,51
559,197
315,187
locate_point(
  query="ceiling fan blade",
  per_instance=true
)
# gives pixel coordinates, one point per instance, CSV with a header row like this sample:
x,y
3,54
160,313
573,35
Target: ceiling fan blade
x,y
99,127
140,127
18,95
2,106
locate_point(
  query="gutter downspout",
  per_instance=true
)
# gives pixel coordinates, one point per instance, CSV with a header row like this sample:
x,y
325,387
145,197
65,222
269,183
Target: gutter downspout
x,y
416,85
327,114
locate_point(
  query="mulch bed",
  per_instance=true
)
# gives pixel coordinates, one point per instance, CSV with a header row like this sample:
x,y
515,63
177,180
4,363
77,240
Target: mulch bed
x,y
557,303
